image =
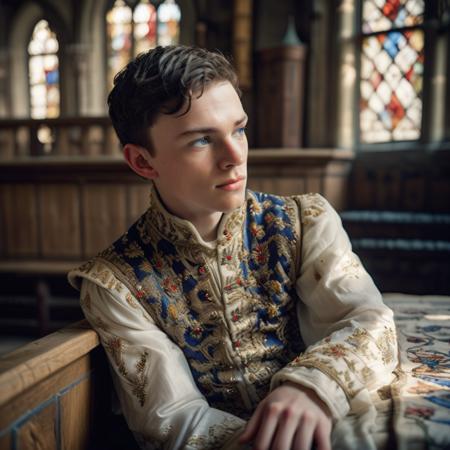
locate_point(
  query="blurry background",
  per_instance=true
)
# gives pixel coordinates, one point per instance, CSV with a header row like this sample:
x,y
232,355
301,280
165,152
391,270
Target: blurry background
x,y
347,98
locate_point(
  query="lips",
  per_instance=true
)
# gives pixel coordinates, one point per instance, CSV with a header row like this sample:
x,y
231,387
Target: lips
x,y
231,182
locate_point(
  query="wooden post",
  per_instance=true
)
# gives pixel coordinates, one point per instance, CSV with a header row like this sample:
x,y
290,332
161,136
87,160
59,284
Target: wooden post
x,y
280,97
242,42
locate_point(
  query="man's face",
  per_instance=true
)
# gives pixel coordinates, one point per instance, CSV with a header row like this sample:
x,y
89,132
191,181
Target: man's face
x,y
201,157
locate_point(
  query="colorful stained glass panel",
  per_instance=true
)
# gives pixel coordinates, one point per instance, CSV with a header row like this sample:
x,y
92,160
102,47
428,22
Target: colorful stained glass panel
x,y
169,16
43,69
135,27
119,28
391,86
383,15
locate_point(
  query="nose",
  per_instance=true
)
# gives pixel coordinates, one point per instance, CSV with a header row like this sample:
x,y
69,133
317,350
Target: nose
x,y
233,154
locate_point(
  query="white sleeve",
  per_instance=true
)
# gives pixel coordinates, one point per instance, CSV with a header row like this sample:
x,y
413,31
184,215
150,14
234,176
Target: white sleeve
x,y
349,332
159,398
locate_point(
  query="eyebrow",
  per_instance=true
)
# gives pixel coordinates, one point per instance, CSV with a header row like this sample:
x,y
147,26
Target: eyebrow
x,y
208,130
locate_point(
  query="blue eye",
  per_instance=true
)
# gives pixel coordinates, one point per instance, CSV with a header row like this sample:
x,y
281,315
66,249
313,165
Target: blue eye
x,y
202,142
240,131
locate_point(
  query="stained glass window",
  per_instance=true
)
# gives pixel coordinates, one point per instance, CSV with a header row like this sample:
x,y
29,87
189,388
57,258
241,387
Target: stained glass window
x,y
391,71
168,19
43,66
132,30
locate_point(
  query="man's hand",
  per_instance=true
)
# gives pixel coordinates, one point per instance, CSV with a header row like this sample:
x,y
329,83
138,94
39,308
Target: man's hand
x,y
291,417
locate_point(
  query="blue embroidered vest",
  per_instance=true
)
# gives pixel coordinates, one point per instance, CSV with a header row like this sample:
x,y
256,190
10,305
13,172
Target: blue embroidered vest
x,y
230,308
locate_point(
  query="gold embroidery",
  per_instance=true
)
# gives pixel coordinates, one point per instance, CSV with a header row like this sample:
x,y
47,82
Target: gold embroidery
x,y
314,208
100,323
342,378
386,344
360,339
130,300
201,317
352,267
145,266
139,380
217,435
114,347
133,251
172,311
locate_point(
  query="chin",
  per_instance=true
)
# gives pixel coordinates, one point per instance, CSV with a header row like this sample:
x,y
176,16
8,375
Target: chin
x,y
233,203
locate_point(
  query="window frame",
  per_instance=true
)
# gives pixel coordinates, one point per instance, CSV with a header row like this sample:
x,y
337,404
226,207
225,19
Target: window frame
x,y
429,28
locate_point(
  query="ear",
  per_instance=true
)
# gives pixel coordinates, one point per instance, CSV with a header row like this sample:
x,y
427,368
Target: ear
x,y
140,161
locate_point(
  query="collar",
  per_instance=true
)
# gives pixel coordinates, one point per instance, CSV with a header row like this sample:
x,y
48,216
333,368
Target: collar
x,y
183,233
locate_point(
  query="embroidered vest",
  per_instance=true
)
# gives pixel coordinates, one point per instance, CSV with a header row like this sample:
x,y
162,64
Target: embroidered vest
x,y
231,309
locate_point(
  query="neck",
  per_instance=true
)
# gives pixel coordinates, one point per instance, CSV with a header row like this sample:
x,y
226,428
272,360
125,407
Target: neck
x,y
207,226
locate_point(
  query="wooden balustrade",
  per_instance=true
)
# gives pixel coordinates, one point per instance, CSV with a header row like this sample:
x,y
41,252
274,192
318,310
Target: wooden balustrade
x,y
87,136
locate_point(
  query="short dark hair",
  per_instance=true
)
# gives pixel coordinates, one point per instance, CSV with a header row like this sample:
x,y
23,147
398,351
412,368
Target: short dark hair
x,y
162,80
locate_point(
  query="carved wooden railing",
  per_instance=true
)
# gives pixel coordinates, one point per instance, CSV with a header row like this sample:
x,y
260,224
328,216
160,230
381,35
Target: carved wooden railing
x,y
88,136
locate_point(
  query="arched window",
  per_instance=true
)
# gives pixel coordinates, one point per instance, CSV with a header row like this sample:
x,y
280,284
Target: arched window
x,y
392,64
133,27
43,66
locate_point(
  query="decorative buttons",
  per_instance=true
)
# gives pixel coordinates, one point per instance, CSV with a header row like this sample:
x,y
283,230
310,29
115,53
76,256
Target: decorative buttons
x,y
197,331
140,292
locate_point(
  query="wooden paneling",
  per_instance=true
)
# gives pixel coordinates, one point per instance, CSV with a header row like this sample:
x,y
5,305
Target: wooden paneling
x,y
138,200
413,191
40,431
75,429
20,218
46,391
332,191
105,217
313,183
6,441
401,181
60,230
439,192
58,209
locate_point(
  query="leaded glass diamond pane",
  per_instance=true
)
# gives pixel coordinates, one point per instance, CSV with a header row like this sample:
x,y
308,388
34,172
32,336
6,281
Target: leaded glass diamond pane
x,y
381,15
391,86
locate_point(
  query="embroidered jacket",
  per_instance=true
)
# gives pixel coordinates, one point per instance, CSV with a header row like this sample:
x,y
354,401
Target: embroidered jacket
x,y
198,333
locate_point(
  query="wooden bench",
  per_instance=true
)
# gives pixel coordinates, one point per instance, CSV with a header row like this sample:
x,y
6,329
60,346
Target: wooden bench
x,y
55,393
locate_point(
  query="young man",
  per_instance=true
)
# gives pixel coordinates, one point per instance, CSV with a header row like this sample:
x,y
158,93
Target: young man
x,y
230,318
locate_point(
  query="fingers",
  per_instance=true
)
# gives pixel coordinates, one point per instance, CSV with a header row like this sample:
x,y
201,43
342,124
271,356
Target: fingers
x,y
312,431
322,435
269,423
252,425
289,419
285,433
